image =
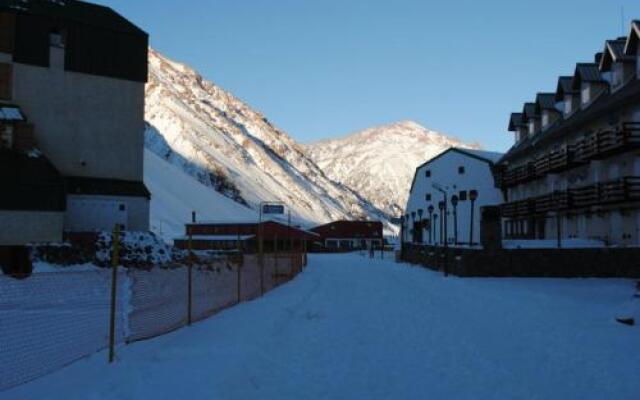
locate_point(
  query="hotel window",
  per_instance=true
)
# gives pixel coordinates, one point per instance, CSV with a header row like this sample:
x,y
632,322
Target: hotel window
x,y
586,93
427,173
428,197
461,170
462,196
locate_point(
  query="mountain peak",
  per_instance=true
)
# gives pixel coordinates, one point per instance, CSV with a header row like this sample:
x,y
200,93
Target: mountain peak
x,y
379,162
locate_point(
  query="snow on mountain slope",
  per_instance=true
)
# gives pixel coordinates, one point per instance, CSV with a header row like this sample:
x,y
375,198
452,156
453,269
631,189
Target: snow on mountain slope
x,y
379,162
224,144
174,194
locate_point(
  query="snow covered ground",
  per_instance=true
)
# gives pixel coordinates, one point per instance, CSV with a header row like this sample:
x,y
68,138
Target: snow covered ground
x,y
354,328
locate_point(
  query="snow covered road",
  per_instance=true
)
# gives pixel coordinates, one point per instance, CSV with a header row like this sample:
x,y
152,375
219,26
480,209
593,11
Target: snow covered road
x,y
352,328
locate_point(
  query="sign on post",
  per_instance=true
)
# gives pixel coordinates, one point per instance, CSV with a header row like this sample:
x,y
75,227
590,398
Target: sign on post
x,y
273,209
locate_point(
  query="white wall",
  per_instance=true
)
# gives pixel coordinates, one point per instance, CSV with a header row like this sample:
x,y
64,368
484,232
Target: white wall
x,y
444,171
86,125
89,213
22,227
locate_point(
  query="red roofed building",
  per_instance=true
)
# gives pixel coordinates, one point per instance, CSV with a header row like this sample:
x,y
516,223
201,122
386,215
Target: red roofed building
x,y
244,235
350,235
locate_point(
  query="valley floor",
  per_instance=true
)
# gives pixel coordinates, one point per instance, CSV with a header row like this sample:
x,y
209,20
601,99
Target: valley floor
x,y
353,328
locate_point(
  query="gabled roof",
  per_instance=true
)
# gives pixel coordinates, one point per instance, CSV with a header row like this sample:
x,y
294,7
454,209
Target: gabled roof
x,y
545,101
631,47
490,157
613,52
529,111
78,11
564,87
586,72
515,121
603,105
486,156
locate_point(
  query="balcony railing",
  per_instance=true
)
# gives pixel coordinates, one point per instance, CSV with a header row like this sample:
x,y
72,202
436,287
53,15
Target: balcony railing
x,y
621,190
595,146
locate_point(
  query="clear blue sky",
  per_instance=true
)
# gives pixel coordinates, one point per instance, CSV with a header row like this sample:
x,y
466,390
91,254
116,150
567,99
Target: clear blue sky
x,y
326,68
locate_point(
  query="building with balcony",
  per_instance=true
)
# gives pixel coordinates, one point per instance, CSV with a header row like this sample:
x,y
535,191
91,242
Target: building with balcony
x,y
446,195
72,78
576,175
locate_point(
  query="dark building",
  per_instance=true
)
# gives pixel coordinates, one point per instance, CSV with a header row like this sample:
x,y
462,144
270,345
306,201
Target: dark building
x,y
574,170
245,236
350,235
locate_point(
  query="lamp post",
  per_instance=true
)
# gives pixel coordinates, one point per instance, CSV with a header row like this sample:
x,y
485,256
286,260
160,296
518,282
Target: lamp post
x,y
441,208
420,223
435,224
402,237
430,209
413,227
454,203
473,195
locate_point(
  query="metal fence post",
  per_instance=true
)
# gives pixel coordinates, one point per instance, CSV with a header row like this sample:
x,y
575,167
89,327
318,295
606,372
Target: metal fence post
x,y
240,260
190,280
115,260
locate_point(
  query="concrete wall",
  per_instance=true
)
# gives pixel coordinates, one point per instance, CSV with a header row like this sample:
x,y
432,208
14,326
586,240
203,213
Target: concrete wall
x,y
609,262
135,215
87,125
444,171
22,227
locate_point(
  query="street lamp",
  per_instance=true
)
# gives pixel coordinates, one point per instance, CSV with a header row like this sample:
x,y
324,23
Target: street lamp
x,y
454,203
441,208
420,223
473,195
430,209
402,237
413,227
435,223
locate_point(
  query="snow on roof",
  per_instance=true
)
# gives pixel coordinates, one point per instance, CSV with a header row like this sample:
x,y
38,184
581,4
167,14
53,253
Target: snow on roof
x,y
492,156
10,114
217,238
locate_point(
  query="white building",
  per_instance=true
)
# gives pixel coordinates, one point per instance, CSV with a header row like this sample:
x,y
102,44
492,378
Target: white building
x,y
456,173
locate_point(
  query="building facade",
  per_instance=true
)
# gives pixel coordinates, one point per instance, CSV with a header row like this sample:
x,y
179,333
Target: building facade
x,y
245,236
76,73
574,170
446,196
350,235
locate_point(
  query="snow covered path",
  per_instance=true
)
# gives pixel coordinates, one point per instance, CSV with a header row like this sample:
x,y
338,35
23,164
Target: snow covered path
x,y
352,328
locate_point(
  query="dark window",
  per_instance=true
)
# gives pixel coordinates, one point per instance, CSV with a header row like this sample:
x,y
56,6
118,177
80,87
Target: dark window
x,y
460,170
428,197
427,173
462,196
122,207
6,75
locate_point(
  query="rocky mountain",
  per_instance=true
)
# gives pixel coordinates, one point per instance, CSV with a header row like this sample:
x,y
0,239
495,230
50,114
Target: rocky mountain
x,y
226,145
379,162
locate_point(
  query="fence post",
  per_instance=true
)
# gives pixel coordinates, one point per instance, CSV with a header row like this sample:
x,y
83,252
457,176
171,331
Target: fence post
x,y
261,257
115,260
189,279
275,276
240,260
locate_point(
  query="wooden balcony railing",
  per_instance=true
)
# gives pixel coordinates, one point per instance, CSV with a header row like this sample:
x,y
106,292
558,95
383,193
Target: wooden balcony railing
x,y
621,190
598,145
